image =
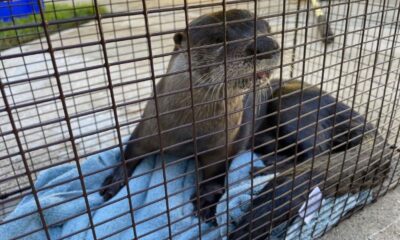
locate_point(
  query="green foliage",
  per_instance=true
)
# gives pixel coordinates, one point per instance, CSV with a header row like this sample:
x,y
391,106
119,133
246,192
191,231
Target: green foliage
x,y
11,35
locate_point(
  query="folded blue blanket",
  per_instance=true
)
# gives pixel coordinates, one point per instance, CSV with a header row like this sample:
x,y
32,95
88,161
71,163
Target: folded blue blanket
x,y
151,219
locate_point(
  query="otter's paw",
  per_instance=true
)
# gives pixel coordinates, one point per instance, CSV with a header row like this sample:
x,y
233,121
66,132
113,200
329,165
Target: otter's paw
x,y
112,184
209,197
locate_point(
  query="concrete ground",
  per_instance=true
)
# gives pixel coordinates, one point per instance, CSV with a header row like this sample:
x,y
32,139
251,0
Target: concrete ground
x,y
375,80
379,221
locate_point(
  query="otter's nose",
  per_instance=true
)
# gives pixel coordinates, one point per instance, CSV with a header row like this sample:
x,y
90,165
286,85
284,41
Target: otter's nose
x,y
266,48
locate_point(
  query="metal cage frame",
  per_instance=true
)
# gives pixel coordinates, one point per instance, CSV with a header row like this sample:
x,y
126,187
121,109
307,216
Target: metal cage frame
x,y
72,94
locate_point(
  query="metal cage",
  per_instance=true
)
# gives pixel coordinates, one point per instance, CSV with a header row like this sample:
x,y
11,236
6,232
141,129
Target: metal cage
x,y
71,94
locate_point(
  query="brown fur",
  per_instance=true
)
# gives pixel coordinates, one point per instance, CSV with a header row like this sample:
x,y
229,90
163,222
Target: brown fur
x,y
214,125
349,175
335,174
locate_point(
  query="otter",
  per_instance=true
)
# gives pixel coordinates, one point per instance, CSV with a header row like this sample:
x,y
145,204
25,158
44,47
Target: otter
x,y
340,128
281,199
277,118
174,96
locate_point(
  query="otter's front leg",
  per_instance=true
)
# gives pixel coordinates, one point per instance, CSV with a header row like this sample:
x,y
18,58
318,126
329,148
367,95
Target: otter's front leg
x,y
113,183
213,168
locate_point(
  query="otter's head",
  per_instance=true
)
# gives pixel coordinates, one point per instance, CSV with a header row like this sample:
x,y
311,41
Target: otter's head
x,y
206,40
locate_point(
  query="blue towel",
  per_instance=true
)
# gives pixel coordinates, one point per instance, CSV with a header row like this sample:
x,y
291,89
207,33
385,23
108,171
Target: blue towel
x,y
151,221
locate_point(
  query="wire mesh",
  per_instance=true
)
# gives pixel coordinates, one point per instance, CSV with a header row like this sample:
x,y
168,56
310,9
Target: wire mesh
x,y
73,93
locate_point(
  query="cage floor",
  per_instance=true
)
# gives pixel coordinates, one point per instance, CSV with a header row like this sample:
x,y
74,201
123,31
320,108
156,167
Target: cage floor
x,y
88,89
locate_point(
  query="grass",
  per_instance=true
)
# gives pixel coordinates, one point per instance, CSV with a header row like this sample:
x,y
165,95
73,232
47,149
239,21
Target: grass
x,y
10,37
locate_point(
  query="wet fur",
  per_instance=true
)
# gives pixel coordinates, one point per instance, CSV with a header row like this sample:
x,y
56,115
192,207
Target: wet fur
x,y
175,115
368,173
334,122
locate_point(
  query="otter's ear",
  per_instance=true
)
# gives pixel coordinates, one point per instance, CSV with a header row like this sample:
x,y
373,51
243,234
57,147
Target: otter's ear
x,y
179,38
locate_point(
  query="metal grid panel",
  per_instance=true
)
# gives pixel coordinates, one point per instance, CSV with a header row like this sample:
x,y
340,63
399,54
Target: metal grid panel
x,y
74,93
